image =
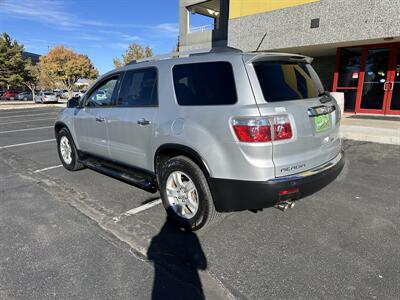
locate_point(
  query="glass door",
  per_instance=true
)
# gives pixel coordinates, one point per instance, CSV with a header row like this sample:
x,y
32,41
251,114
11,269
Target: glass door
x,y
374,84
393,98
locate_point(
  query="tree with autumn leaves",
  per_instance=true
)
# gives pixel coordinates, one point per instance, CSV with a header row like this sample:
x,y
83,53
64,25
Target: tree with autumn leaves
x,y
61,67
134,52
31,77
66,66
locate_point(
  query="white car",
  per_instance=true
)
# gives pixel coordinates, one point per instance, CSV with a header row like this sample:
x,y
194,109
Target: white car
x,y
64,94
81,93
44,97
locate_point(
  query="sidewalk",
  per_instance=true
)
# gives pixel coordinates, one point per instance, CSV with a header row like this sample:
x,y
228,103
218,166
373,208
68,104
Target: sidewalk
x,y
371,129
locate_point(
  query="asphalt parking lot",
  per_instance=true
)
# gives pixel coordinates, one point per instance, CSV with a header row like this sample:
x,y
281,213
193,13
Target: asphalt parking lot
x,y
83,235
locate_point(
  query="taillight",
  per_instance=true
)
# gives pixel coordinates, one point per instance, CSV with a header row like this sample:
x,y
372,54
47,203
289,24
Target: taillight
x,y
259,129
282,128
252,130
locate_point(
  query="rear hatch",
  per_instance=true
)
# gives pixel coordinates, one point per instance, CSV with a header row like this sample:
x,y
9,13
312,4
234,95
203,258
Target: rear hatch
x,y
288,86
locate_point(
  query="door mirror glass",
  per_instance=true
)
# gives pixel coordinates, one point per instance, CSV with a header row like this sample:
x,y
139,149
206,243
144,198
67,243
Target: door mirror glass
x,y
73,102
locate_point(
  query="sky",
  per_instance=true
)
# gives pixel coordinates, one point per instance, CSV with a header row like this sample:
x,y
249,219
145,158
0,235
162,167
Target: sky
x,y
101,29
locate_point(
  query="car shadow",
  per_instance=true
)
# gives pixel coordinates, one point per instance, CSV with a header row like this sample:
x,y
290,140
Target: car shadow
x,y
177,256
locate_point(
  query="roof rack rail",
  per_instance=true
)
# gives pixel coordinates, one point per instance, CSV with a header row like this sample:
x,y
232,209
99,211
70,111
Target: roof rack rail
x,y
185,54
225,49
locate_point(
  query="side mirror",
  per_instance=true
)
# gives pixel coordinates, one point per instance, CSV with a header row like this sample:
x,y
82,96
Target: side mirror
x,y
73,102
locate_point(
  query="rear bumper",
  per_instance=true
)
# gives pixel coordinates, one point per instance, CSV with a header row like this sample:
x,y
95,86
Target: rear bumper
x,y
232,195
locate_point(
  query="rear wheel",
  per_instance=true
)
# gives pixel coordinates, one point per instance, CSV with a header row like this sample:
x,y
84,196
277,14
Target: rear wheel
x,y
185,193
67,151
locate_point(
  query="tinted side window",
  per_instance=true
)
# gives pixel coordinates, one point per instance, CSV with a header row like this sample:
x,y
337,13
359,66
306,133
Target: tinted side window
x,y
284,81
103,94
204,84
139,88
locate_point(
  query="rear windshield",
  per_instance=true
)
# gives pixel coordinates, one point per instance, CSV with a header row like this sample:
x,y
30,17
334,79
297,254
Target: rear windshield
x,y
204,84
284,81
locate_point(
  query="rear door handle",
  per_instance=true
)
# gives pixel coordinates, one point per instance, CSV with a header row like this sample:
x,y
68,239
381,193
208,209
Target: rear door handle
x,y
100,119
143,122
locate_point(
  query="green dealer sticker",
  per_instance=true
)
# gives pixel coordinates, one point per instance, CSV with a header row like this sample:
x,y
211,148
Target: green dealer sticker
x,y
322,123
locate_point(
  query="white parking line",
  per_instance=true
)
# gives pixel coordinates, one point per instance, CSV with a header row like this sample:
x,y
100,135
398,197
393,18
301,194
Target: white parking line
x,y
15,122
33,115
25,144
17,112
26,129
47,169
136,210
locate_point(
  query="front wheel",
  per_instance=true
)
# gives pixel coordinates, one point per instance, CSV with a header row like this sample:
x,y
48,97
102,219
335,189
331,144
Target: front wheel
x,y
67,151
185,193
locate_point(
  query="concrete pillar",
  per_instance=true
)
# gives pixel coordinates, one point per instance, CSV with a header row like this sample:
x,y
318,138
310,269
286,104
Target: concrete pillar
x,y
339,99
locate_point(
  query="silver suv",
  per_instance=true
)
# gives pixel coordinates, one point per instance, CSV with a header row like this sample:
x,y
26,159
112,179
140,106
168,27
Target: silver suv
x,y
214,132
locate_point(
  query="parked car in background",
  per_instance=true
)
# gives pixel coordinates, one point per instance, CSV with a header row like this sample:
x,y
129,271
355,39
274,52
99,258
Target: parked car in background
x,y
10,94
64,94
25,96
44,97
75,94
58,93
81,93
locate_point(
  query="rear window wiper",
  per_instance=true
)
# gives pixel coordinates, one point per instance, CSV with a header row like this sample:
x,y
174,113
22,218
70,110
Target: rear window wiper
x,y
326,96
324,93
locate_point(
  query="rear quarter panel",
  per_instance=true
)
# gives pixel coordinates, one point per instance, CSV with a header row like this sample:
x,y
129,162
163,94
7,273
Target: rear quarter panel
x,y
307,149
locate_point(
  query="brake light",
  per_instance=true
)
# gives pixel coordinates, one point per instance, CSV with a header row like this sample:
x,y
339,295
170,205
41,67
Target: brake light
x,y
252,130
282,128
259,129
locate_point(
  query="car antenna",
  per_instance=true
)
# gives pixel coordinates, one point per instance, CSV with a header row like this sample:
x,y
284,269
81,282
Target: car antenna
x,y
262,40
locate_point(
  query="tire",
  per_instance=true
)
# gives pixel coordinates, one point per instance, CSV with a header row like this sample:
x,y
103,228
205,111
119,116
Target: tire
x,y
73,163
206,213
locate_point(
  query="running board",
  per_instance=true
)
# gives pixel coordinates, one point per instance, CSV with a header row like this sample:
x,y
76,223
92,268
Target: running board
x,y
135,178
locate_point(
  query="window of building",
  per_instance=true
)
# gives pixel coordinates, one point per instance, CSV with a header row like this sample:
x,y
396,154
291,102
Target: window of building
x,y
349,67
203,16
204,84
284,81
350,97
200,23
139,88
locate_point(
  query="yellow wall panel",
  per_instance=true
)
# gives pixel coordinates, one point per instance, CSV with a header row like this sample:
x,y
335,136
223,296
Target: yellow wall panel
x,y
241,8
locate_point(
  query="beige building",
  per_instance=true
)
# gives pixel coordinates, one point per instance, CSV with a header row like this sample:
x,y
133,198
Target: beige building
x,y
355,43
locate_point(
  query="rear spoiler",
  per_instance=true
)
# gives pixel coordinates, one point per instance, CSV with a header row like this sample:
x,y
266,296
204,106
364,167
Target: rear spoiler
x,y
253,57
